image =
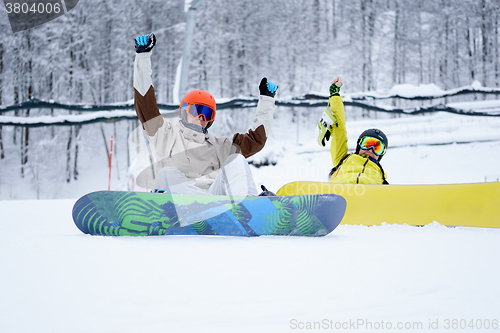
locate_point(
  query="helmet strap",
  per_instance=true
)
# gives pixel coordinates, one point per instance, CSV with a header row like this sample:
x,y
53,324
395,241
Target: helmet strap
x,y
373,160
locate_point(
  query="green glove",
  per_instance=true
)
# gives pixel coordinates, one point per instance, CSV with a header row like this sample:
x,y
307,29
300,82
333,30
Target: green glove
x,y
325,125
335,89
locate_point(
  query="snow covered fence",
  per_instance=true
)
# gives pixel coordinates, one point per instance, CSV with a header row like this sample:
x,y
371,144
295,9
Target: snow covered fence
x,y
119,111
416,93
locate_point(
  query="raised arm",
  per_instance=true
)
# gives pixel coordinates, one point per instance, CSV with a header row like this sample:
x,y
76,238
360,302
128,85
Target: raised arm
x,y
144,92
332,124
254,140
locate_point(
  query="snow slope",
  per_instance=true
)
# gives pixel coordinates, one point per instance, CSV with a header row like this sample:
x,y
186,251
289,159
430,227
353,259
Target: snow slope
x,y
55,279
399,278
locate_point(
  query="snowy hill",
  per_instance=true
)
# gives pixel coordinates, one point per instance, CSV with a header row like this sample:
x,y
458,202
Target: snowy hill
x,y
394,275
55,279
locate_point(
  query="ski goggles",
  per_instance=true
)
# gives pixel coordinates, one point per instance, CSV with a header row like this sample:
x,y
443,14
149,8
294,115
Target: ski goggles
x,y
369,142
199,111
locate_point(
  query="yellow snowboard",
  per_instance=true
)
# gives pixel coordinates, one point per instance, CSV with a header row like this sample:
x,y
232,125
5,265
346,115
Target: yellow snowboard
x,y
467,205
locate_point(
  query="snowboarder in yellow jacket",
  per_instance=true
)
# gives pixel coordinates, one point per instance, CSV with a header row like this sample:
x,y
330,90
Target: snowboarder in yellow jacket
x,y
361,167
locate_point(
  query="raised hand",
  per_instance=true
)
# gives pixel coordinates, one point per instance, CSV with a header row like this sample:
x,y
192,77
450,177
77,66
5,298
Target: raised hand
x,y
267,88
335,86
145,43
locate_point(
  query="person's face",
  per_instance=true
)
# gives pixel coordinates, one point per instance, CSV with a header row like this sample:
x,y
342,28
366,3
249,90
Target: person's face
x,y
368,152
197,121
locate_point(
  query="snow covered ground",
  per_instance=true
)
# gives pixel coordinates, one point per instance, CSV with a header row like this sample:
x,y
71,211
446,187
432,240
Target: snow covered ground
x,y
55,279
391,277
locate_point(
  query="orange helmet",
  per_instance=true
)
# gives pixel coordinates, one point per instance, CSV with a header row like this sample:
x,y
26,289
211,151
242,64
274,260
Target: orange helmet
x,y
199,104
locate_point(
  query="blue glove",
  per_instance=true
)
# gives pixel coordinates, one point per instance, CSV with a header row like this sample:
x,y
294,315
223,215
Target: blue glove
x,y
145,43
271,87
267,88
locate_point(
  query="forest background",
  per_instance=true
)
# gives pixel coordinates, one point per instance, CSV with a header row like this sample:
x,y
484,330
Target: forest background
x,y
86,57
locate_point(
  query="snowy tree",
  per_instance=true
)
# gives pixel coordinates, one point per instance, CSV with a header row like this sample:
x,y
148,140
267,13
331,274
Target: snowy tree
x,y
86,56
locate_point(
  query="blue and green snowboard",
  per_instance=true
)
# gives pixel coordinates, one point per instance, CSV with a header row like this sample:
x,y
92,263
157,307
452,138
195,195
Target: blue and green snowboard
x,y
149,214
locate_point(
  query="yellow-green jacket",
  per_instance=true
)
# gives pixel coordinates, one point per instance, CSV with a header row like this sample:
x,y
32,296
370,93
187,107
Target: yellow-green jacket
x,y
350,168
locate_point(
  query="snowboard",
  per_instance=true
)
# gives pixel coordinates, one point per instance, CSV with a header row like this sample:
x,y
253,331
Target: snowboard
x,y
114,213
466,205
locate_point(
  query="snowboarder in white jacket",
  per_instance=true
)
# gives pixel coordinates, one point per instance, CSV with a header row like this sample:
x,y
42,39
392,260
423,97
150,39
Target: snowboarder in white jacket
x,y
185,158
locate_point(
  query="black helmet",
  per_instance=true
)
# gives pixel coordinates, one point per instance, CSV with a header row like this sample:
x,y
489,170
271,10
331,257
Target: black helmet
x,y
376,133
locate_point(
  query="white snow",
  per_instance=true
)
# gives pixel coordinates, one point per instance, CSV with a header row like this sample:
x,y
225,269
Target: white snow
x,y
423,90
409,90
53,278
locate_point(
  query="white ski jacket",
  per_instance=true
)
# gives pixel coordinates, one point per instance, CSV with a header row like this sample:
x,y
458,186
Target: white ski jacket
x,y
198,156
